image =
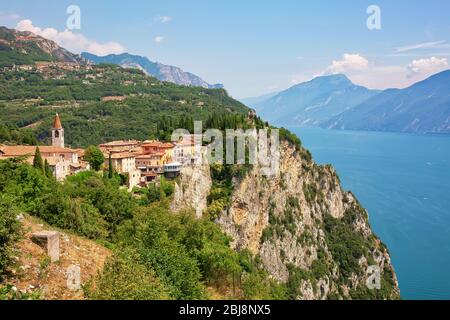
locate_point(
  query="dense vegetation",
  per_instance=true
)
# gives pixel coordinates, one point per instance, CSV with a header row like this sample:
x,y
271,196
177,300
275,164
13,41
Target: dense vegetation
x,y
9,229
151,109
10,57
347,247
10,134
159,254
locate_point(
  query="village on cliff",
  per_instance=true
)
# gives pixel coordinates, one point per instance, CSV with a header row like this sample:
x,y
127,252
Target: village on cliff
x,y
142,162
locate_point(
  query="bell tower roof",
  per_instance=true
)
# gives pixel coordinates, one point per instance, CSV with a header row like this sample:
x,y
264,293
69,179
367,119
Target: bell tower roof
x,y
57,122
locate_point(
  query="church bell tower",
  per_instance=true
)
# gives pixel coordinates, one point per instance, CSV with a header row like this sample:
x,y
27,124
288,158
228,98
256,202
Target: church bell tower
x,y
57,133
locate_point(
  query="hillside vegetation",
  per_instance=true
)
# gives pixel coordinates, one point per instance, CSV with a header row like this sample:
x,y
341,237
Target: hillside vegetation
x,y
148,108
158,254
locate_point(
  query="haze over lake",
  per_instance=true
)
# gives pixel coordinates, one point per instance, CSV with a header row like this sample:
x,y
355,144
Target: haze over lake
x,y
404,182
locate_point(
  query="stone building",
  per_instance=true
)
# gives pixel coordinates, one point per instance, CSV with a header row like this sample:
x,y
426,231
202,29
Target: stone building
x,y
124,163
57,133
63,161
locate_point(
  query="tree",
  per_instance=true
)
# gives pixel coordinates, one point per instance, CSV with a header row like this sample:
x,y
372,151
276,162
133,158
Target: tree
x,y
110,167
38,163
47,170
95,157
125,278
9,229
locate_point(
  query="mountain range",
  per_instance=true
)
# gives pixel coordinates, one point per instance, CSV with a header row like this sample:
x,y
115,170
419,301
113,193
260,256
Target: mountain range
x,y
334,102
158,70
255,100
19,48
313,102
422,108
328,101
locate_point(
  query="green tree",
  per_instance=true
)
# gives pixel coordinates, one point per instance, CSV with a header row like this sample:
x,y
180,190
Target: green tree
x,y
47,170
38,163
110,167
9,229
124,278
95,157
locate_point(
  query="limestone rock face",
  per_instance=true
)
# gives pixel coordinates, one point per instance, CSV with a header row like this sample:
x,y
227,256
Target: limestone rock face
x,y
282,219
299,222
193,189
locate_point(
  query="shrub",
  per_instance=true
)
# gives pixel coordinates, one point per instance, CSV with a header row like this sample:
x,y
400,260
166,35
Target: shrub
x,y
174,267
95,157
113,204
219,264
73,214
154,234
290,137
296,277
346,245
9,229
25,183
124,278
258,286
9,292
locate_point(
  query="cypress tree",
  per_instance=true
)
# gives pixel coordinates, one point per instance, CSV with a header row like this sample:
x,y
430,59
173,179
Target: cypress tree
x,y
110,167
38,163
47,170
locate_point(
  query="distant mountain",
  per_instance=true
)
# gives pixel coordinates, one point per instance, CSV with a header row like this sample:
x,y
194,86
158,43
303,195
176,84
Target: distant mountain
x,y
155,69
19,48
255,100
422,108
313,102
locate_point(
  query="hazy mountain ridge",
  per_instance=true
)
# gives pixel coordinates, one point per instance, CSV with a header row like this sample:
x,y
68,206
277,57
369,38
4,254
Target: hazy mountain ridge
x,y
421,108
255,100
158,70
334,102
313,102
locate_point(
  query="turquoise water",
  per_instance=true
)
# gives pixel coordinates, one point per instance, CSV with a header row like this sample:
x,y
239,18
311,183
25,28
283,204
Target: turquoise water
x,y
404,182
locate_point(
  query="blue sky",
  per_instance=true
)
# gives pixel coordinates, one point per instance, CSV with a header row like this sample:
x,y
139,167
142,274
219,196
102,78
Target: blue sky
x,y
255,47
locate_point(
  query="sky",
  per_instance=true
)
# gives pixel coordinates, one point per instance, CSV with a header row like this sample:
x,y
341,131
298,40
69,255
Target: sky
x,y
255,47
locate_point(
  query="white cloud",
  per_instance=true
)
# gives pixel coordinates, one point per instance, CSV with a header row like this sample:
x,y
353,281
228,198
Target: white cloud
x,y
425,45
74,42
382,76
427,66
27,25
348,63
159,39
164,19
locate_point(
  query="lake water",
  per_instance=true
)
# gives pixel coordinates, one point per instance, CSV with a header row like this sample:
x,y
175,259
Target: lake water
x,y
404,182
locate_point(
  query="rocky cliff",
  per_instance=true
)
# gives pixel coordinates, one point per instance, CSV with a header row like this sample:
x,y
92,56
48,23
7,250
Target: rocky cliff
x,y
306,231
192,190
155,69
34,47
